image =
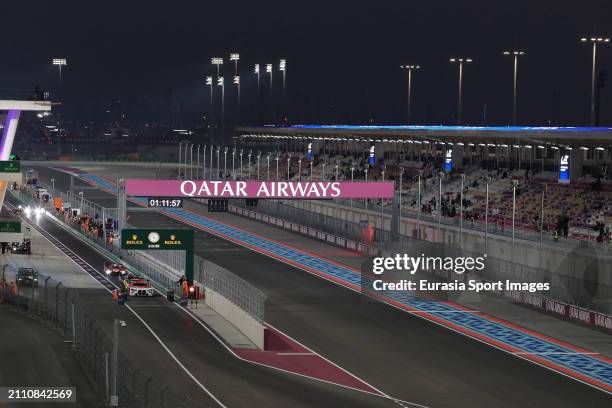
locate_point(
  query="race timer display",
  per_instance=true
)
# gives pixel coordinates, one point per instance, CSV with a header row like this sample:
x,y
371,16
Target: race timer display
x,y
165,202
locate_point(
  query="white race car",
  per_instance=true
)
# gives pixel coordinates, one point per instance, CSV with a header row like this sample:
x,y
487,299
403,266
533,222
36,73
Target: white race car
x,y
139,287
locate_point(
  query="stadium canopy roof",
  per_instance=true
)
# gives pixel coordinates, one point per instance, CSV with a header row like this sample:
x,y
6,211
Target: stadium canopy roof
x,y
563,136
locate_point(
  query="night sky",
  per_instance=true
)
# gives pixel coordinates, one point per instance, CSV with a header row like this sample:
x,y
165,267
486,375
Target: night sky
x,y
148,59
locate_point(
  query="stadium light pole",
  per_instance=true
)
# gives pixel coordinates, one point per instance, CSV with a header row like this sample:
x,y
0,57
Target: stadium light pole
x,y
241,151
352,177
300,169
460,62
268,166
288,165
221,83
234,163
211,161
218,161
488,180
180,156
237,83
198,162
258,158
282,67
410,68
218,62
249,164
400,191
225,162
59,63
461,208
269,71
419,204
515,54
441,176
277,158
514,185
185,162
191,161
209,82
365,171
542,215
204,163
256,70
595,41
311,160
235,57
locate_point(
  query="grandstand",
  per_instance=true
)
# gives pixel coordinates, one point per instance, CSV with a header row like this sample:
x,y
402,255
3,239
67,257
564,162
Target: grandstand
x,y
565,169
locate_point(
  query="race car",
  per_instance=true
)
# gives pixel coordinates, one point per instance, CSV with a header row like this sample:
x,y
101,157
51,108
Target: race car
x,y
115,268
139,287
127,278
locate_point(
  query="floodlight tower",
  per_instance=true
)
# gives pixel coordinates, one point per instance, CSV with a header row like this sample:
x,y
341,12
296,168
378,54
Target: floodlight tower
x,y
282,67
235,57
460,62
596,42
237,83
218,62
410,68
256,70
269,71
60,62
221,83
515,54
209,82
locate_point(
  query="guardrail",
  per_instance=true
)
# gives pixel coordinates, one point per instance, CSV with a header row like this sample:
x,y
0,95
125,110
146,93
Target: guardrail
x,y
238,291
62,309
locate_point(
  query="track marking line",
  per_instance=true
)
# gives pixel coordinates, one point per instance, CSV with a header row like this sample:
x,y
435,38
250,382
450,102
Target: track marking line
x,y
165,347
381,395
507,348
295,354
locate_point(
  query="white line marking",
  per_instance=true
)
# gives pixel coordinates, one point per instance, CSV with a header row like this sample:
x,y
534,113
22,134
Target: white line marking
x,y
416,313
148,328
381,395
295,354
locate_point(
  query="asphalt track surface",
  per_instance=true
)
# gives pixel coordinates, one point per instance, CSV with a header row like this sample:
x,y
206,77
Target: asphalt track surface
x,y
404,356
31,354
234,382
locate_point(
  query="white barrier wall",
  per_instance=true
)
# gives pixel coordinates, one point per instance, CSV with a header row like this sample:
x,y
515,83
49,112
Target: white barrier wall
x,y
248,326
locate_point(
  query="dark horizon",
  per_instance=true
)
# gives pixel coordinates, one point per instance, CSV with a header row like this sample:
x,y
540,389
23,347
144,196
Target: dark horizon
x,y
149,61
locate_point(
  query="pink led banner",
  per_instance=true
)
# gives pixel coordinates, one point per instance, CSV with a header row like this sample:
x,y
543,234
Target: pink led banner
x,y
258,189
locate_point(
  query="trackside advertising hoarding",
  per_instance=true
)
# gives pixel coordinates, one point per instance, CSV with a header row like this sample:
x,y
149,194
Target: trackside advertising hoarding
x,y
258,189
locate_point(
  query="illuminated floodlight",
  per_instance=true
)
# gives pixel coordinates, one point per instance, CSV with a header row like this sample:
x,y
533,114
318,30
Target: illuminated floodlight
x,y
460,60
257,68
282,66
595,39
60,61
220,81
234,57
584,148
237,79
209,80
268,67
216,61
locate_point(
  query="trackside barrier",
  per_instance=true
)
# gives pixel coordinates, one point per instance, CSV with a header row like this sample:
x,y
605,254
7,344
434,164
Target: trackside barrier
x,y
63,310
236,300
497,269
